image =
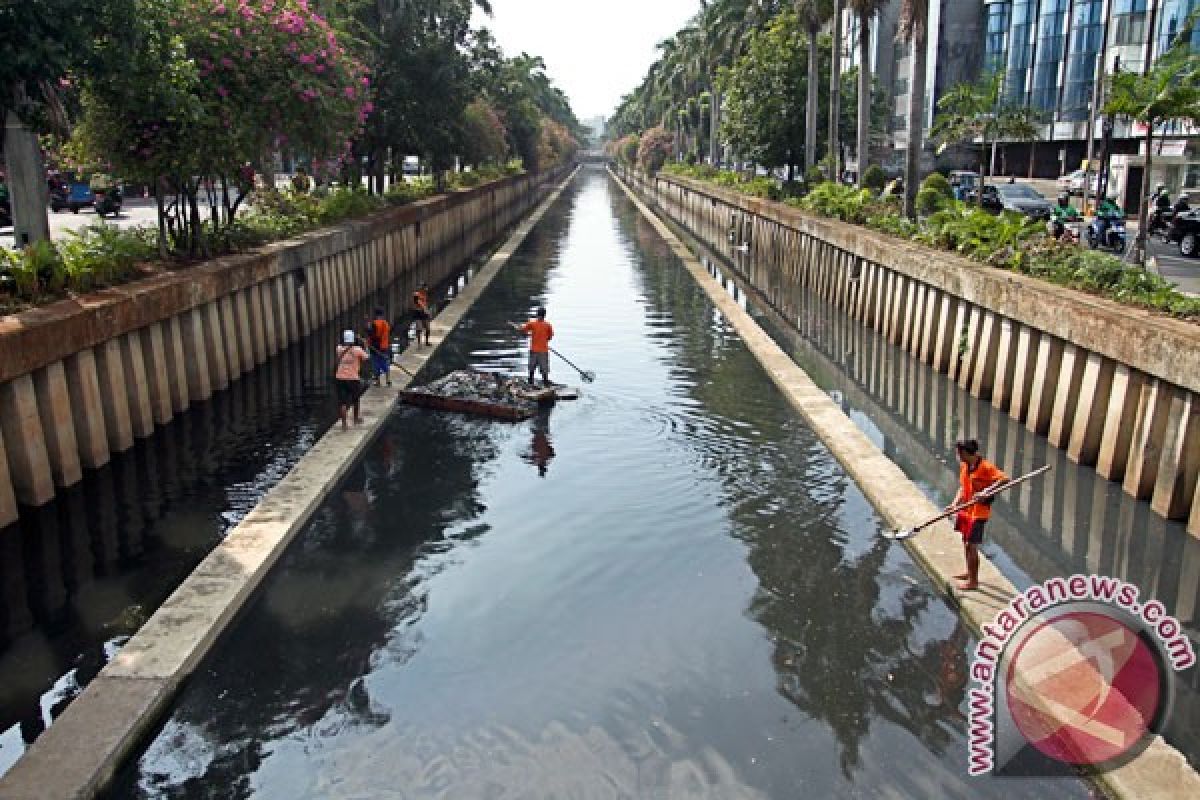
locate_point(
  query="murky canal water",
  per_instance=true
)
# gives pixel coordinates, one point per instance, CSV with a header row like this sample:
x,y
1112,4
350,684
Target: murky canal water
x,y
666,589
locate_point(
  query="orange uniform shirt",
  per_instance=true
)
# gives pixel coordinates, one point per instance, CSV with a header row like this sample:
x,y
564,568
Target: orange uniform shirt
x,y
381,334
540,333
973,481
421,300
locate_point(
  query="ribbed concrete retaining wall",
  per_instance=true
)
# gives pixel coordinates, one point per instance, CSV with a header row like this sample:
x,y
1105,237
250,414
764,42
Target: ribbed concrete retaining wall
x,y
83,378
1117,388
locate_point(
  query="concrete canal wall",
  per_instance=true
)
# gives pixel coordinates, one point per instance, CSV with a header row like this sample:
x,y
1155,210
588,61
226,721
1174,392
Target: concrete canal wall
x,y
1159,770
82,379
79,754
1115,387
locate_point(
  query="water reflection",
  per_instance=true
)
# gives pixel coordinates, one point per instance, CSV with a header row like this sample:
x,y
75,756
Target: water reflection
x,y
541,451
689,604
1070,520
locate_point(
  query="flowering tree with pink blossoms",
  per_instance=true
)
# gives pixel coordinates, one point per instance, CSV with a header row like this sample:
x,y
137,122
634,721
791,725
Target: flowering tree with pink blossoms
x,y
214,86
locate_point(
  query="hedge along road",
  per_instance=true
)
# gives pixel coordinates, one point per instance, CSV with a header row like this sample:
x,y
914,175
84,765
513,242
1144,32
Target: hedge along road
x,y
667,588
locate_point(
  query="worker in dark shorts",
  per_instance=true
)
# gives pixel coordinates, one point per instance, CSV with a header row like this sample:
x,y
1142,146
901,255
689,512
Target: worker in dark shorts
x,y
420,313
976,475
347,368
540,333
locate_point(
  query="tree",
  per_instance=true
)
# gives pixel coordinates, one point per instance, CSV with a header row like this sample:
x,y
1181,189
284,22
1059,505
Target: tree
x,y
813,13
914,16
977,111
866,11
187,113
1169,92
47,44
654,148
484,136
834,149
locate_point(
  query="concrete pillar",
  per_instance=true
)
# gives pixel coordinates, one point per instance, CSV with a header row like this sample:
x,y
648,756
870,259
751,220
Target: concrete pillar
x,y
176,365
1045,381
113,397
54,407
1091,412
960,341
8,497
258,327
1023,372
245,331
1145,450
944,339
1193,526
1176,482
154,351
1066,395
196,350
1119,422
900,289
985,356
141,413
1005,360
967,365
229,337
882,287
21,426
266,296
83,388
216,352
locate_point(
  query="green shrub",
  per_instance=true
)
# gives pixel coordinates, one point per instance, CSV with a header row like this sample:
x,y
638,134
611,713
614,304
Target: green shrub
x,y
840,202
874,178
814,175
937,182
405,192
930,201
345,203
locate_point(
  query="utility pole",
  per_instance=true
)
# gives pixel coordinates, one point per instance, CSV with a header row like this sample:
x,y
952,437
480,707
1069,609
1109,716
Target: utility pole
x,y
835,95
1102,179
26,182
1089,166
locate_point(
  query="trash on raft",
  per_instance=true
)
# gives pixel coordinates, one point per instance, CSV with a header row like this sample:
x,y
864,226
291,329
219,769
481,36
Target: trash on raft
x,y
491,394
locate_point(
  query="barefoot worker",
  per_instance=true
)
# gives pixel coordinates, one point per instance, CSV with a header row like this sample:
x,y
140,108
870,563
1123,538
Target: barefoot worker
x,y
540,333
348,367
975,475
379,339
420,313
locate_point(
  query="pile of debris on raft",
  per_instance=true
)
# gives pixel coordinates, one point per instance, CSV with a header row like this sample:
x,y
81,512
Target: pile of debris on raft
x,y
492,394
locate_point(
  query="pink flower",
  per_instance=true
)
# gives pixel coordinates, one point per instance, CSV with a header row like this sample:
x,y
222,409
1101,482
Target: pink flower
x,y
349,92
307,58
319,68
237,32
368,107
366,81
246,54
219,9
221,90
227,62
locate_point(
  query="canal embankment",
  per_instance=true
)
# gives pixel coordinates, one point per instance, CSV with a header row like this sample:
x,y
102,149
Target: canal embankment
x,y
1116,388
80,752
84,378
1159,770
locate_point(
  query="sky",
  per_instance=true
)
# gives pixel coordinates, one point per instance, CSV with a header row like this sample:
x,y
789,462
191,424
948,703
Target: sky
x,y
595,52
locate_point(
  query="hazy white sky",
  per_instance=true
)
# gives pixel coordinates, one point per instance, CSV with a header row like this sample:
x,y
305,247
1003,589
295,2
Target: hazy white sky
x,y
594,51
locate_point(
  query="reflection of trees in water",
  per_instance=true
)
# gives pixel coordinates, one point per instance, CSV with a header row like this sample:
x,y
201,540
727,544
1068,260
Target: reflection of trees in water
x,y
351,587
841,655
347,592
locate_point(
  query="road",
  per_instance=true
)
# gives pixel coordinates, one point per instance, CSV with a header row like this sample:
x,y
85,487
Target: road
x,y
135,213
1181,271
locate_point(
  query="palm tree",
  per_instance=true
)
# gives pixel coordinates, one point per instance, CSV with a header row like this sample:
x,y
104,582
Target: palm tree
x,y
813,14
866,10
835,93
914,29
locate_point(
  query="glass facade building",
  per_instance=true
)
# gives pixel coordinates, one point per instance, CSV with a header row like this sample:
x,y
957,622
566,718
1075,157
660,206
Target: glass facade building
x,y
1049,51
1084,43
1021,39
1172,23
995,46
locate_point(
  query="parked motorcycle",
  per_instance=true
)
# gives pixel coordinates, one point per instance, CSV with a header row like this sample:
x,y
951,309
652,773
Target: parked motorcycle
x,y
108,201
1107,232
1185,229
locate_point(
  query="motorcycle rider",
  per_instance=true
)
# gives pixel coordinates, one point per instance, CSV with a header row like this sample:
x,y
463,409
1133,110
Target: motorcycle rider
x,y
1182,204
1105,214
1161,203
1061,214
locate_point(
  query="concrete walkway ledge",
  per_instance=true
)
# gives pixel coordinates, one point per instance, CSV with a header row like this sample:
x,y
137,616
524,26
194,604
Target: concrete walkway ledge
x,y
1160,771
79,754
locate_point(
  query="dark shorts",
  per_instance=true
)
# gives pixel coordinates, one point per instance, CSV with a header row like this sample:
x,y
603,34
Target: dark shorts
x,y
347,392
971,530
420,316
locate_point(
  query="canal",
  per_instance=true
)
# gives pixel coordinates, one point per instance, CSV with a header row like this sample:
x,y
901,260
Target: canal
x,y
666,588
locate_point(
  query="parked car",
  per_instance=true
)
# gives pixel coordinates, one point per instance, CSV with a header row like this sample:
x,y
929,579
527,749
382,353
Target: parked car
x,y
1185,229
1073,183
78,195
1017,197
964,183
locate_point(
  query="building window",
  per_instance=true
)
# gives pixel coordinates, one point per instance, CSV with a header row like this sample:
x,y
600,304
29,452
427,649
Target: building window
x,y
1087,33
900,122
1129,22
1020,50
900,87
996,43
1172,23
1051,44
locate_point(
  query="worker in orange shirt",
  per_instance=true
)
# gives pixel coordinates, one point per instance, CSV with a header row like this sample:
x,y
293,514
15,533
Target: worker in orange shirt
x,y
540,333
976,475
420,312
